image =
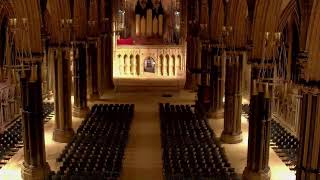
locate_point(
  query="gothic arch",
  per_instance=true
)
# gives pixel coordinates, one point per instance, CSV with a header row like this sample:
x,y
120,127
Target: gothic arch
x,y
289,24
312,43
59,10
265,19
3,39
291,11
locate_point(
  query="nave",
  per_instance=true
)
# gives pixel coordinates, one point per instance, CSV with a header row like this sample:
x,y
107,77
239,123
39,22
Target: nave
x,y
142,158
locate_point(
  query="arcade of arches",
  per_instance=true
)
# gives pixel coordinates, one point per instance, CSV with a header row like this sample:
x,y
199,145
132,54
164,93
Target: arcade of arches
x,y
159,89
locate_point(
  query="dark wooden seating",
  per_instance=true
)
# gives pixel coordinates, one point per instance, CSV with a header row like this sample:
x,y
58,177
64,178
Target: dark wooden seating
x,y
189,147
97,149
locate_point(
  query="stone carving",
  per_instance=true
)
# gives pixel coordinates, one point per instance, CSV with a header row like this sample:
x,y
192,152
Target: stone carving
x,y
286,105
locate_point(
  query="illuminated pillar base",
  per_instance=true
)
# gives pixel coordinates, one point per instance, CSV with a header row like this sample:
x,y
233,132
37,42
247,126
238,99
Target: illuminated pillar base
x,y
80,112
35,173
94,96
231,138
63,136
218,114
261,175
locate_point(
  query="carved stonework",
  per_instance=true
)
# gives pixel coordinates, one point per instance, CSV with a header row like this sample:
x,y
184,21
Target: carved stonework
x,y
286,106
162,66
302,65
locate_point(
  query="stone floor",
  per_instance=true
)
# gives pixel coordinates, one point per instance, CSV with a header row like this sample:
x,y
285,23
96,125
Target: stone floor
x,y
142,159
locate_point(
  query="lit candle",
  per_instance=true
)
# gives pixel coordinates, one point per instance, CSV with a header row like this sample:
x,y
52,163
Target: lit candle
x,y
266,35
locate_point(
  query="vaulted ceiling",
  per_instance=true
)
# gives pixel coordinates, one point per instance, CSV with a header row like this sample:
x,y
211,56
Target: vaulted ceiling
x,y
250,20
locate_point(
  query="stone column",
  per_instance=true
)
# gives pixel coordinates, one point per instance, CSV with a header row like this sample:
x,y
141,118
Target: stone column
x,y
93,58
80,108
189,64
165,66
63,118
134,66
259,134
231,133
44,68
34,165
159,65
121,65
108,61
170,73
204,63
204,94
50,72
308,166
217,84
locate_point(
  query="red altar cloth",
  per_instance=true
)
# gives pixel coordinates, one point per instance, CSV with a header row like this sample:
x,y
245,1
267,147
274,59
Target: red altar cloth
x,y
128,41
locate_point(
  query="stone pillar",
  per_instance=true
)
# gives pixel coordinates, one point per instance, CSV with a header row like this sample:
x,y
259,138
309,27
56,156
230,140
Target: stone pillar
x,y
80,108
121,65
308,166
302,73
63,118
217,84
165,66
259,134
93,58
109,61
159,65
45,86
134,66
170,66
204,63
126,65
233,101
34,165
189,64
50,72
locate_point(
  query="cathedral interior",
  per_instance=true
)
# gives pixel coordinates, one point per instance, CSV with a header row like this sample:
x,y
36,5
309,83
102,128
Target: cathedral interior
x,y
159,89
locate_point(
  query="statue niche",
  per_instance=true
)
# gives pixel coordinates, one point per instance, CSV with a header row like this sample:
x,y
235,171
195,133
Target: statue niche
x,y
149,65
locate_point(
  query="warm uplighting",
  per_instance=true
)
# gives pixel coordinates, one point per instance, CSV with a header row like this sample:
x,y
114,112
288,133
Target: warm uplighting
x,y
177,20
71,54
226,30
266,35
277,36
13,22
272,39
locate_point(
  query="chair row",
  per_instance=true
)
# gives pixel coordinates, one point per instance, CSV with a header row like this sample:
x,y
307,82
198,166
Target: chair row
x,y
11,139
97,149
190,149
284,144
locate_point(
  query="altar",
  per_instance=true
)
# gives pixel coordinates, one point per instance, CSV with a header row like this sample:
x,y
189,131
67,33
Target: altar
x,y
148,52
151,67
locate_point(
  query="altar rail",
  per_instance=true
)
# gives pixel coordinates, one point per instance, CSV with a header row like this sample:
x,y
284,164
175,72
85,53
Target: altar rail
x,y
286,108
169,61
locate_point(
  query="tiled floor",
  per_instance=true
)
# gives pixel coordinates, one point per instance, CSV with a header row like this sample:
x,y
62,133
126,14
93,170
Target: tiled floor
x,y
143,154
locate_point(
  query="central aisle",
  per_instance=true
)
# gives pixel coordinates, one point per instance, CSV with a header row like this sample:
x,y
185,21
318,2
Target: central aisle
x,y
143,153
142,158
